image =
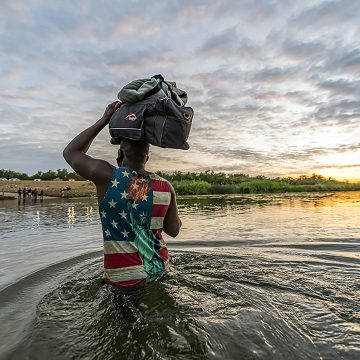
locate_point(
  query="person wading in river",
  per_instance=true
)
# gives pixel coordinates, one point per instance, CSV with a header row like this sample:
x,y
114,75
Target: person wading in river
x,y
135,206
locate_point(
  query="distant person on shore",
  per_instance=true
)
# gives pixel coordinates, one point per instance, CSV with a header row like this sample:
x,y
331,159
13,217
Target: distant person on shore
x,y
135,206
19,192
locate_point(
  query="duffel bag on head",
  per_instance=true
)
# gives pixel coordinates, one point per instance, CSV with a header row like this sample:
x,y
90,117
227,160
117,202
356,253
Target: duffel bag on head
x,y
141,89
160,122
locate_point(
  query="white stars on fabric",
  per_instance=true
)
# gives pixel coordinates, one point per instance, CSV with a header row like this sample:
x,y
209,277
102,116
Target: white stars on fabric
x,y
114,224
144,198
124,194
107,233
123,214
125,174
103,214
135,186
114,183
112,203
125,233
134,205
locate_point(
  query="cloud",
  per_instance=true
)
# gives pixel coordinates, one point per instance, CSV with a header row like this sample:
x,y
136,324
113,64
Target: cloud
x,y
276,74
324,14
348,88
274,85
303,50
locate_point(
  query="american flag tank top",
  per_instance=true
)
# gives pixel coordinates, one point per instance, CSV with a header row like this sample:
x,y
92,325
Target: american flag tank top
x,y
132,214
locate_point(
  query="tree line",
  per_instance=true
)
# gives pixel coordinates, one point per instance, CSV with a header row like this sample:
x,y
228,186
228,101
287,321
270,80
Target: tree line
x,y
62,174
210,177
221,178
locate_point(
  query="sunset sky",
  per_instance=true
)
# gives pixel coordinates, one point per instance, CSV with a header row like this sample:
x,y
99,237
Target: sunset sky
x,y
275,85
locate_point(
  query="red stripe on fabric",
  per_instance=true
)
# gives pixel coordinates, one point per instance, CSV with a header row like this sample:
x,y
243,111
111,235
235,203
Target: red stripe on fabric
x,y
114,261
160,185
157,233
159,210
127,283
163,252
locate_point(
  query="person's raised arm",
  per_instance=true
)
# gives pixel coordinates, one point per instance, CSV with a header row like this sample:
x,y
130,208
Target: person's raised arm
x,y
172,222
75,152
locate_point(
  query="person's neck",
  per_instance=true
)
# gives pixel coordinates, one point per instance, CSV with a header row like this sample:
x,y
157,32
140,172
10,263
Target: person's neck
x,y
138,167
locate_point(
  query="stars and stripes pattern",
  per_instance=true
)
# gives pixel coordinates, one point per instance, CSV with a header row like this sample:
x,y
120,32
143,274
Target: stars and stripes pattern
x,y
133,199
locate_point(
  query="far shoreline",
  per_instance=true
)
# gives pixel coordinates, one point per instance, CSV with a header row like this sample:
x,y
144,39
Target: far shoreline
x,y
86,189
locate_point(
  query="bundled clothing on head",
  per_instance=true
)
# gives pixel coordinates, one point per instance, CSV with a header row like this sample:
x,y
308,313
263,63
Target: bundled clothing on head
x,y
141,89
152,110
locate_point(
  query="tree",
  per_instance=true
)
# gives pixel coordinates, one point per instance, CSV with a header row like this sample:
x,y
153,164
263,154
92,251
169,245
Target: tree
x,y
62,174
49,175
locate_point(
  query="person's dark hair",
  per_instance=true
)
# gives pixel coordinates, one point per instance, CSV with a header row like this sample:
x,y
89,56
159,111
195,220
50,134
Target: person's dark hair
x,y
134,150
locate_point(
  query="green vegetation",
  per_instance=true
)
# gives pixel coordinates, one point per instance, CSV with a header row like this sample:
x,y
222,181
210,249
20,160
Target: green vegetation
x,y
205,183
62,174
191,187
209,182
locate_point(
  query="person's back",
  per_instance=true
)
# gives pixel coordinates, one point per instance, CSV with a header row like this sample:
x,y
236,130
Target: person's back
x,y
132,215
135,206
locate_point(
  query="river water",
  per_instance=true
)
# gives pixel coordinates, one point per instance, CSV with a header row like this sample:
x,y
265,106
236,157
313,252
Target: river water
x,y
253,277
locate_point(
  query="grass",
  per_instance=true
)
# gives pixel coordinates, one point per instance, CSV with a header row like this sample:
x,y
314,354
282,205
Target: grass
x,y
256,186
182,187
192,187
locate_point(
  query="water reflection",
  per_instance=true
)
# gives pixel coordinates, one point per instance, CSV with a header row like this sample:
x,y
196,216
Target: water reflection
x,y
218,203
37,219
71,215
303,200
281,216
29,214
89,214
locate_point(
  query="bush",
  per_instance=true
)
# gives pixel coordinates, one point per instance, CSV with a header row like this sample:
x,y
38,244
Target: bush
x,y
254,186
191,187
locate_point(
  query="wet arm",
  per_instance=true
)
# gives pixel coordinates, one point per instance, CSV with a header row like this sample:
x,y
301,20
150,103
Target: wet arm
x,y
75,152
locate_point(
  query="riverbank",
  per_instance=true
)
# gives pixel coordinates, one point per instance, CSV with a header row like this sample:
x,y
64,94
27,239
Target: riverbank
x,y
183,187
51,188
6,197
257,186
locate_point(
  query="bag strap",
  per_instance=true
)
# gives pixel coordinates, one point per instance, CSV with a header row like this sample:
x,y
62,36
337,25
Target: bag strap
x,y
155,89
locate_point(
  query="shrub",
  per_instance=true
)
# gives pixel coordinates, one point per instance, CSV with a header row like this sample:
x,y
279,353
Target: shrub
x,y
191,187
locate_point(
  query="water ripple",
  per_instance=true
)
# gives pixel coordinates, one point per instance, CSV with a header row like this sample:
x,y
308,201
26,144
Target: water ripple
x,y
211,306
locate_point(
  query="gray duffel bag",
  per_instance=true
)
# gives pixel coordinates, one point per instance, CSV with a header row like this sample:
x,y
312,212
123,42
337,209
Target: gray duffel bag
x,y
156,118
